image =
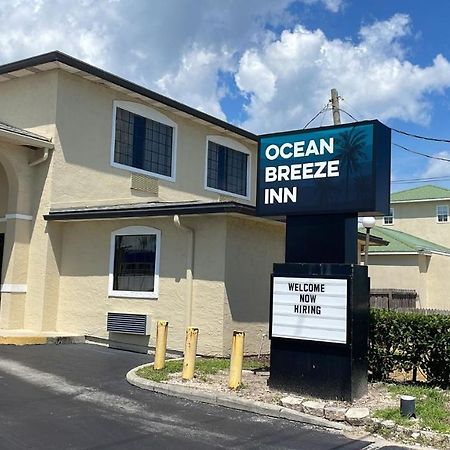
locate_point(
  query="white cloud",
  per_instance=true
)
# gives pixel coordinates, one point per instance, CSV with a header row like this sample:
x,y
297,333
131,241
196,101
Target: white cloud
x,y
437,168
196,80
331,5
371,74
180,50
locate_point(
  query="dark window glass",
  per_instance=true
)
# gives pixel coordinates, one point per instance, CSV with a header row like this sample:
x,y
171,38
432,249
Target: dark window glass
x,y
143,143
227,169
134,263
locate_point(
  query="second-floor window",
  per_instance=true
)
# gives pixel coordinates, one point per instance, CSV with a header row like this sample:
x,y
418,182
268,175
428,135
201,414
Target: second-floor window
x,y
228,167
143,140
442,213
389,220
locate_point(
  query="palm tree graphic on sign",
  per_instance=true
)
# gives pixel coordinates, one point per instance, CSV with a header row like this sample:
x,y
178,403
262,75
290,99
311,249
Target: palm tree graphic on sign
x,y
351,151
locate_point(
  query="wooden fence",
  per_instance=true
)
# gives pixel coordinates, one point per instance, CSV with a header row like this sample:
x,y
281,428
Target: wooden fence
x,y
400,300
393,298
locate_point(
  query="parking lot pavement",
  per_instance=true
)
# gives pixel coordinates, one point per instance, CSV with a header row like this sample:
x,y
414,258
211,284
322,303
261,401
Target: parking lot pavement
x,y
76,397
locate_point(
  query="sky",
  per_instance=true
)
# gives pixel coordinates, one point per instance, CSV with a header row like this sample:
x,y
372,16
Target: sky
x,y
266,65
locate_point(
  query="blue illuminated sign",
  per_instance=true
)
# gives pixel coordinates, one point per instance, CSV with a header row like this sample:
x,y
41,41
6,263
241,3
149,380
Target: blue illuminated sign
x,y
338,169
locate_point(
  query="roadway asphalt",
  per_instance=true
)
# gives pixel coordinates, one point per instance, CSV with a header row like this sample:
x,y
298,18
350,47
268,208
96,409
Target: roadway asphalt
x,y
76,397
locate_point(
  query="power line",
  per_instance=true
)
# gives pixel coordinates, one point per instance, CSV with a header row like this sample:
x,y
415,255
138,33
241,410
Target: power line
x,y
317,115
348,114
406,133
420,180
439,158
426,138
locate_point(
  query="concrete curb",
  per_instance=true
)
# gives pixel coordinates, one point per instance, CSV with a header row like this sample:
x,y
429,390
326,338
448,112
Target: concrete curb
x,y
228,401
40,340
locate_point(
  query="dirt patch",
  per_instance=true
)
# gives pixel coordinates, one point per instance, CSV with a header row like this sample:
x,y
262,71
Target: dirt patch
x,y
254,387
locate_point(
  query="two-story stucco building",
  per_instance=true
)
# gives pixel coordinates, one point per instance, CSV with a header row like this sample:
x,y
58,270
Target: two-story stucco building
x,y
115,199
418,254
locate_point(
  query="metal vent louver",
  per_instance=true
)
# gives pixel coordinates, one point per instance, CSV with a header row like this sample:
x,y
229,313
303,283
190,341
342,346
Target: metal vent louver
x,y
128,323
144,184
226,198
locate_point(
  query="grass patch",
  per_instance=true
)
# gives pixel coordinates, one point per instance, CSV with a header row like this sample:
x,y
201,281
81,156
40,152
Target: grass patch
x,y
432,407
203,368
160,375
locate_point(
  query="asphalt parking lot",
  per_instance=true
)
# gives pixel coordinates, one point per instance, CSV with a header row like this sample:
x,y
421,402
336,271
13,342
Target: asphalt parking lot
x,y
76,397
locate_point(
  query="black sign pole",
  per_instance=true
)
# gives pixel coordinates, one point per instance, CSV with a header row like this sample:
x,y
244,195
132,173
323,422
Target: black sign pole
x,y
320,179
317,246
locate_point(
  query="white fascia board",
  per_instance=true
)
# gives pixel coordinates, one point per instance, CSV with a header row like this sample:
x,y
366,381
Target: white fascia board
x,y
20,139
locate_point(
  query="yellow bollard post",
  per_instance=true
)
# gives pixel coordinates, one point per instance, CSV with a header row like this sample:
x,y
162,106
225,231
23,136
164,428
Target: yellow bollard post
x,y
190,352
237,356
161,344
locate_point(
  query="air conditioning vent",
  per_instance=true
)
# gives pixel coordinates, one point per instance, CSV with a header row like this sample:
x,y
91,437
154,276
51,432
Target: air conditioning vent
x,y
145,184
128,323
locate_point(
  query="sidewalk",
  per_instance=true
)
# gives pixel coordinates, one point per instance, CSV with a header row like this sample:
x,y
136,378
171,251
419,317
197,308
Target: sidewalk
x,y
30,337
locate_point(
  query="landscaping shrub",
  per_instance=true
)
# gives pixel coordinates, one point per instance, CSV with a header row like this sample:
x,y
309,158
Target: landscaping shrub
x,y
409,341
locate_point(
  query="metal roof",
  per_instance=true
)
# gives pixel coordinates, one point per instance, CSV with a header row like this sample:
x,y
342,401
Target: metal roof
x,y
400,242
59,60
427,192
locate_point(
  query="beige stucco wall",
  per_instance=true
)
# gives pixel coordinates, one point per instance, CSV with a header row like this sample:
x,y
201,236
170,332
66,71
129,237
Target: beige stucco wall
x,y
30,102
65,266
438,282
252,247
84,122
419,219
427,274
84,269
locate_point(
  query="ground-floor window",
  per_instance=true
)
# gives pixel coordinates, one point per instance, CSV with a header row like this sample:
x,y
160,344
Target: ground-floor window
x,y
134,262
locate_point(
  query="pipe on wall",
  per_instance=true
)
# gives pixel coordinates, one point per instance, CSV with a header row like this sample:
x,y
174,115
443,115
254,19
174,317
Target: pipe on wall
x,y
189,268
40,160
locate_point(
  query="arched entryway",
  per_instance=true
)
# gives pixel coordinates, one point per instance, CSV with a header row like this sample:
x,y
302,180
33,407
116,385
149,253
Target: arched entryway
x,y
15,185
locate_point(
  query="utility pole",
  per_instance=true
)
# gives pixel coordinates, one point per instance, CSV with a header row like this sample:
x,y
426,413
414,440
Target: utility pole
x,y
335,107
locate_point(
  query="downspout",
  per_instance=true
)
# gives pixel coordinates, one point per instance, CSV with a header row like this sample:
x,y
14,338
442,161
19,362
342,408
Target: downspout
x,y
42,159
189,269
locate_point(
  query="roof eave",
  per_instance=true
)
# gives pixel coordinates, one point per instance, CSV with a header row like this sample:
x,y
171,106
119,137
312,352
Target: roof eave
x,y
62,58
17,138
151,211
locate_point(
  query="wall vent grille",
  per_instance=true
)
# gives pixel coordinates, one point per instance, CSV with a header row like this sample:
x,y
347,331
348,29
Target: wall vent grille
x,y
144,184
128,323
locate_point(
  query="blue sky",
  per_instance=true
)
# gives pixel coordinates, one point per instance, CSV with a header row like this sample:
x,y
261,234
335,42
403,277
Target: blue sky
x,y
265,65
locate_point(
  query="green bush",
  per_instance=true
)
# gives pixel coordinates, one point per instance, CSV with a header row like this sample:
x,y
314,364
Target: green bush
x,y
409,341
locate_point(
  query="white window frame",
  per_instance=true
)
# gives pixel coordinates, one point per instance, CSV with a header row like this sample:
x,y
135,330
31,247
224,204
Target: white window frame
x,y
390,216
148,113
132,231
437,215
233,145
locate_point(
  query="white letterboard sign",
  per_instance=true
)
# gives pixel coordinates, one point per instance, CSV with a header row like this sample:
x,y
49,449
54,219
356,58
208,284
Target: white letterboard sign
x,y
314,309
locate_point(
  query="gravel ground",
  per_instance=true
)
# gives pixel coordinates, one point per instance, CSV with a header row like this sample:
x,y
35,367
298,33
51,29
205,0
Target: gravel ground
x,y
255,388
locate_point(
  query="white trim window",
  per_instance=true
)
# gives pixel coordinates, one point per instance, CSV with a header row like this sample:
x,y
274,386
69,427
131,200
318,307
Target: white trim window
x,y
389,220
442,213
227,167
134,262
143,141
